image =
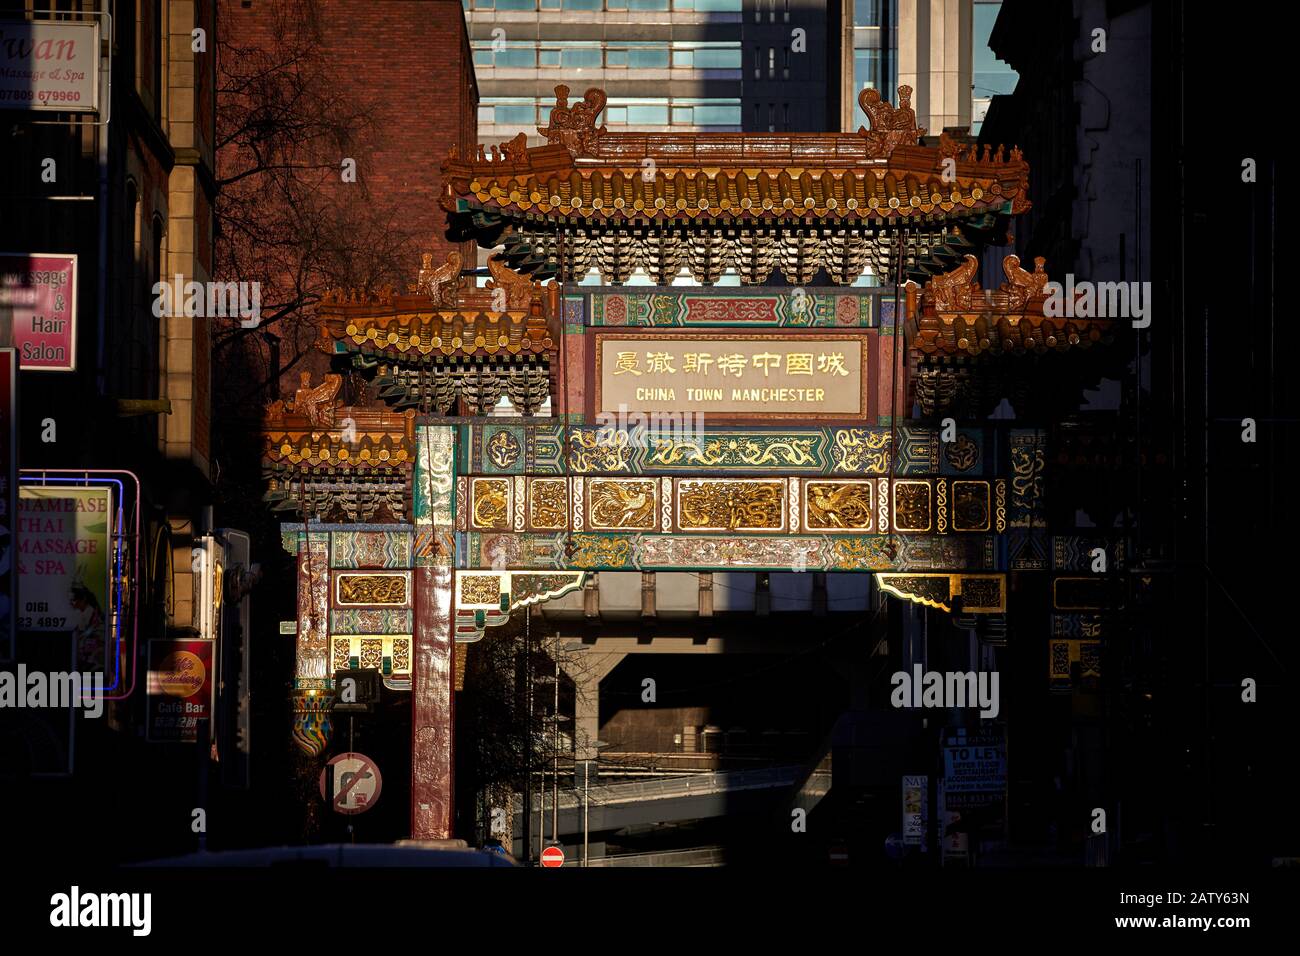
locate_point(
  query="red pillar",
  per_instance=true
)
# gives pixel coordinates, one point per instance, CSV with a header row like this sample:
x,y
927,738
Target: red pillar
x,y
432,706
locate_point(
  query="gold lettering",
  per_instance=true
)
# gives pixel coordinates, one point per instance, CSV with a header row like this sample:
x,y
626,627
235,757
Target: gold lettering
x,y
660,362
832,363
799,363
627,362
733,364
697,363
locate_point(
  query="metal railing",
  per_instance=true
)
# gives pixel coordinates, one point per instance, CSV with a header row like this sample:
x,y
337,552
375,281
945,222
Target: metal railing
x,y
696,856
693,785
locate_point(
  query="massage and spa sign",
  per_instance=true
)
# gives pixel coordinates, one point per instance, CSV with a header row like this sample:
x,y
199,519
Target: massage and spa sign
x,y
64,556
47,65
39,290
810,376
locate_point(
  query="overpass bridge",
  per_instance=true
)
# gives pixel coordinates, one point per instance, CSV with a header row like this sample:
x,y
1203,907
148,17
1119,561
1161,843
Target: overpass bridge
x,y
614,807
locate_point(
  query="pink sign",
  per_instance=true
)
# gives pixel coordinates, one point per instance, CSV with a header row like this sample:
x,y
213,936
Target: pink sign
x,y
40,291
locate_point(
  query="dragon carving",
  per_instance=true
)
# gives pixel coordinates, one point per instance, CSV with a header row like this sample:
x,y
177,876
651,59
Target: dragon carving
x,y
574,127
518,289
951,291
1021,286
317,401
440,284
960,291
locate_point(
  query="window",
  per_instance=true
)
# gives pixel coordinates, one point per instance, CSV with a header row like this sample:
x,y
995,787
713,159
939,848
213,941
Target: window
x,y
514,54
758,62
866,75
517,56
785,70
990,76
647,4
578,59
771,63
516,4
709,56
583,4
866,13
516,115
154,267
508,110
648,115
785,116
648,57
548,57
718,115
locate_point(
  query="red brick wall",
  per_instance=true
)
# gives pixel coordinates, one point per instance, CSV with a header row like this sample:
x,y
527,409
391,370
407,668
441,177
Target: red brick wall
x,y
412,59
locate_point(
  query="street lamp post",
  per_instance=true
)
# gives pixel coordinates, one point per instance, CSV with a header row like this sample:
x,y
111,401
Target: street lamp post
x,y
541,809
555,758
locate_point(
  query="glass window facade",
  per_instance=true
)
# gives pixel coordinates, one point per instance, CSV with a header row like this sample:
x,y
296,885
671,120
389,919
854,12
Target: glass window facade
x,y
989,76
875,52
632,112
617,6
678,55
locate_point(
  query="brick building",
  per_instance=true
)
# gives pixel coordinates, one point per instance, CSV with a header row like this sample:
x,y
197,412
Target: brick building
x,y
133,200
408,64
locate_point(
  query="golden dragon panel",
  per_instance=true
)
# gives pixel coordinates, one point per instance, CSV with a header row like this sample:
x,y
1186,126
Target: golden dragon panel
x,y
724,504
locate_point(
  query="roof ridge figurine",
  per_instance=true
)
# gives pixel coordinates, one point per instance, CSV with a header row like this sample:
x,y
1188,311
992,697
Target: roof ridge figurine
x,y
891,126
574,127
441,284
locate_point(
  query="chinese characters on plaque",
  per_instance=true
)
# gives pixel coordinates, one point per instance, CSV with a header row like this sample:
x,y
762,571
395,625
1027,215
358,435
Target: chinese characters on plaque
x,y
802,375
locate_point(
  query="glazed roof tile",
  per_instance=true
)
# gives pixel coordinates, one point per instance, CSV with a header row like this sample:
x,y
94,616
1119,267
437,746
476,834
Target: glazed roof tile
x,y
595,175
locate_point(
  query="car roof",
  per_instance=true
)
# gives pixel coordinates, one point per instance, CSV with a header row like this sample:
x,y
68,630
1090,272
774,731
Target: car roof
x,y
341,854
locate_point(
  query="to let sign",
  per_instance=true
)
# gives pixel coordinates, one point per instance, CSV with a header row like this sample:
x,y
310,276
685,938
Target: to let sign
x,y
38,309
47,65
975,768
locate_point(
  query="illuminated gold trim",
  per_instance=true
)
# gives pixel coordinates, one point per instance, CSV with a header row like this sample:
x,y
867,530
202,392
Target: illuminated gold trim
x,y
896,514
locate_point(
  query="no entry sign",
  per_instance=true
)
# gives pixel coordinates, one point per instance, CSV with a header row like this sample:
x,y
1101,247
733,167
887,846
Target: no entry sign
x,y
552,856
356,783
